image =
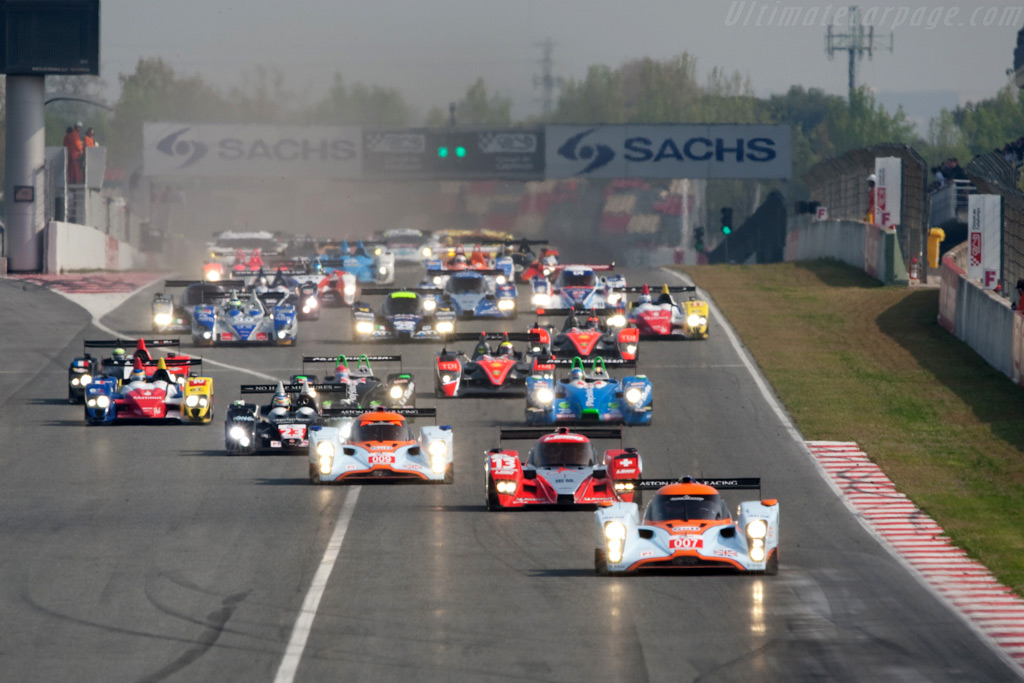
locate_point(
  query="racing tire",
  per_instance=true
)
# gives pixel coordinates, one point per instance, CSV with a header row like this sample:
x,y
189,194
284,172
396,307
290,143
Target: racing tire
x,y
314,475
600,563
449,474
492,496
772,566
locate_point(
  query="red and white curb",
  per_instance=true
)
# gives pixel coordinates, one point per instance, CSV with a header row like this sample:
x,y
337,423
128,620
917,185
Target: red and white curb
x,y
965,583
98,292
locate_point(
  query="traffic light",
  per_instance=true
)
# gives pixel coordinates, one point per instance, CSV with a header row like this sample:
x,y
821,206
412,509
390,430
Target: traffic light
x,y
443,151
726,220
698,239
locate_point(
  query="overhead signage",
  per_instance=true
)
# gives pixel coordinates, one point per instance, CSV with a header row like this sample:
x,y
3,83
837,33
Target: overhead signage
x,y
182,149
668,151
452,154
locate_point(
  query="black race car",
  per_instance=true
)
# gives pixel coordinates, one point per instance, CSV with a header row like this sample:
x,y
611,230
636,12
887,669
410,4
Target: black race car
x,y
355,386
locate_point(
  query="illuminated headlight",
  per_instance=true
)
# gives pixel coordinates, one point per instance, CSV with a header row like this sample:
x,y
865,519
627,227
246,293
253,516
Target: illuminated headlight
x,y
192,401
426,252
694,320
437,280
615,536
378,251
396,392
162,318
617,320
91,403
614,298
634,396
311,303
382,270
505,486
438,451
102,401
74,381
350,290
429,305
541,300
325,456
757,529
213,275
506,305
445,379
630,348
624,486
500,279
445,327
281,334
547,271
364,327
757,550
544,395
207,335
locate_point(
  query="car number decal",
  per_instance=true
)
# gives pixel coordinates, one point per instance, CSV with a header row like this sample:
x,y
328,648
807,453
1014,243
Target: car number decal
x,y
686,543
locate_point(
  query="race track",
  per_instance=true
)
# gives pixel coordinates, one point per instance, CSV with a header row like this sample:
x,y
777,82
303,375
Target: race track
x,y
144,553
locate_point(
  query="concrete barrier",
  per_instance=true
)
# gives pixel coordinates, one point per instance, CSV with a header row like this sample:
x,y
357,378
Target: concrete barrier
x,y
874,250
69,246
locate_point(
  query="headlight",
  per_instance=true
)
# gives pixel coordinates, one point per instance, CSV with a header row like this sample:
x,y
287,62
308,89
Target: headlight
x,y
631,348
615,536
429,305
426,252
350,290
85,379
207,335
75,381
378,251
505,486
445,379
541,300
633,396
213,276
192,401
445,327
617,320
500,279
325,449
624,486
237,433
437,280
757,551
544,395
382,270
396,392
438,461
694,320
437,448
282,334
91,403
364,327
102,401
162,318
506,304
614,298
757,529
311,302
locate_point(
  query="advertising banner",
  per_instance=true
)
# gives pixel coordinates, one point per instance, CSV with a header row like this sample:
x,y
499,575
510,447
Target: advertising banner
x,y
453,154
984,233
888,191
183,149
668,151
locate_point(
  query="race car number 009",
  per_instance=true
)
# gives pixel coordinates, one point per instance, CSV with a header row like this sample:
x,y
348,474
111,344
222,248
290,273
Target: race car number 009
x,y
686,543
381,459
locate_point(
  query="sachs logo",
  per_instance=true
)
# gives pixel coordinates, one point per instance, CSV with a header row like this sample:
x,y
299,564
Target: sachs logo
x,y
597,154
172,146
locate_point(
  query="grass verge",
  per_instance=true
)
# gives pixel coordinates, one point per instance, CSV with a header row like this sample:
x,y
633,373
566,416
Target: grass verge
x,y
853,360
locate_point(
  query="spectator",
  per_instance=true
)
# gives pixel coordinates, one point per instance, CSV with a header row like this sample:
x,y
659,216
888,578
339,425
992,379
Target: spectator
x,y
870,216
73,145
90,138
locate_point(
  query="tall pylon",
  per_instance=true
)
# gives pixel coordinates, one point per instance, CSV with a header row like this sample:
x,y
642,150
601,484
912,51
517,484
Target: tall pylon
x,y
857,41
546,80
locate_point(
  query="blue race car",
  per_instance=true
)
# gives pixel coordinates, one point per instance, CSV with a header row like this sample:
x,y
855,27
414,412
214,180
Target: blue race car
x,y
368,264
246,318
480,294
579,285
589,397
406,315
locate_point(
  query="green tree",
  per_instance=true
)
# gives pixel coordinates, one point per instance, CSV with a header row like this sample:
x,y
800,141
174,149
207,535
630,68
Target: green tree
x,y
990,124
476,108
862,122
361,105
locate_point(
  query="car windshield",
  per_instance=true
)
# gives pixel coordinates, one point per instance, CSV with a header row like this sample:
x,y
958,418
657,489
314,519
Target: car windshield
x,y
464,285
556,454
380,431
399,305
686,507
579,279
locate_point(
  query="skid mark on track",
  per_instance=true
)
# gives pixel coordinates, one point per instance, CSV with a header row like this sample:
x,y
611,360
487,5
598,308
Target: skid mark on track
x,y
965,584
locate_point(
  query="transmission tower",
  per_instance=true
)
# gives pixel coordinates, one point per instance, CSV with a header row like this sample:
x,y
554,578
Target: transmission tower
x,y
856,42
546,80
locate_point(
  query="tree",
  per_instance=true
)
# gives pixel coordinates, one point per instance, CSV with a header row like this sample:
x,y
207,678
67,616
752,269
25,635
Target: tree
x,y
361,105
477,108
862,122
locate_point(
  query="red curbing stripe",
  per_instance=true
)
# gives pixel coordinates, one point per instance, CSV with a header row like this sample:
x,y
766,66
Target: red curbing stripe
x,y
964,583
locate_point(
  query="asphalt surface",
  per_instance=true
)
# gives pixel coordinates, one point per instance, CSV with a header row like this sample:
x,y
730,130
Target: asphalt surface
x,y
144,553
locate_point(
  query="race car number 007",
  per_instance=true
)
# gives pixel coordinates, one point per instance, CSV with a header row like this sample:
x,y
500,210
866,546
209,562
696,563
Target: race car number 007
x,y
381,459
686,543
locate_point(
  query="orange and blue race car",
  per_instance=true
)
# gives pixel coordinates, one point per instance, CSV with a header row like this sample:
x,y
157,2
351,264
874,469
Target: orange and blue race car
x,y
562,470
378,446
687,525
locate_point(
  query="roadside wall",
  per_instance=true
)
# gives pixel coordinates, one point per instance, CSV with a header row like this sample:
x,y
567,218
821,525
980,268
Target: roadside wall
x,y
873,249
69,246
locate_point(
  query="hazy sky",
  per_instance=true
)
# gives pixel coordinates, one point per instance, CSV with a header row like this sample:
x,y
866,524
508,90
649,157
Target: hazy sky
x,y
433,49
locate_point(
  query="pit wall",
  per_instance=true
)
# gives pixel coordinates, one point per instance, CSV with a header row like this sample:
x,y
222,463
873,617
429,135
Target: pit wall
x,y
873,249
69,246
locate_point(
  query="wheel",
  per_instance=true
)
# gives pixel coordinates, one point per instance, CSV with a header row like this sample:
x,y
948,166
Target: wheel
x,y
449,474
492,496
600,563
772,568
314,475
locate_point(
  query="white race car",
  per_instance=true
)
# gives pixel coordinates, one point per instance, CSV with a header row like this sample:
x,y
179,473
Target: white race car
x,y
687,525
378,446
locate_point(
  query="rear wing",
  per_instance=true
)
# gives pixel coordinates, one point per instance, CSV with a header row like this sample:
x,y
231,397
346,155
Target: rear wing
x,y
564,312
491,336
656,290
393,290
753,483
360,360
576,361
124,343
293,388
226,284
358,412
533,433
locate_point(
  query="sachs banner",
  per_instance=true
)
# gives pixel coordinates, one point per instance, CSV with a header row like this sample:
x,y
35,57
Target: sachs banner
x,y
251,150
668,151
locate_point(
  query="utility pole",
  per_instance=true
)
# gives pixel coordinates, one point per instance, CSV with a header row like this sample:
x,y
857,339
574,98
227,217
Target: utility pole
x,y
856,42
547,81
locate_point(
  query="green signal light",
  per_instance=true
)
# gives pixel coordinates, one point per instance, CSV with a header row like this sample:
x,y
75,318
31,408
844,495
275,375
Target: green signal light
x,y
460,151
726,230
442,152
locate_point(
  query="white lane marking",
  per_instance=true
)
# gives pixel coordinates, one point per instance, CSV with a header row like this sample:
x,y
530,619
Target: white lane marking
x,y
304,623
834,450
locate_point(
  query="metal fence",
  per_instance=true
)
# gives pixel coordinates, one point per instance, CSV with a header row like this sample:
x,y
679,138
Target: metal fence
x,y
992,174
840,185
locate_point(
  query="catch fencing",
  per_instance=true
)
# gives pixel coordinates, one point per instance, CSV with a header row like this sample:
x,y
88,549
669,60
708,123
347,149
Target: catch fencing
x,y
992,174
840,185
